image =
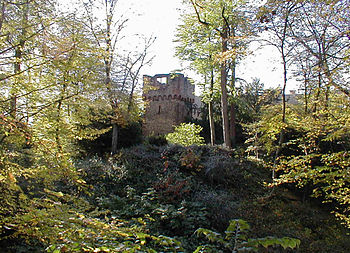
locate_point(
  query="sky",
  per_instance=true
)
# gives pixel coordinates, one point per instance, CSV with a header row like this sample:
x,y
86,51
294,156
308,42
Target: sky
x,y
160,18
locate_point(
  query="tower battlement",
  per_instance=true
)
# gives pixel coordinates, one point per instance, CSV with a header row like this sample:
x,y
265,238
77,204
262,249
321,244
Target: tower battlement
x,y
169,100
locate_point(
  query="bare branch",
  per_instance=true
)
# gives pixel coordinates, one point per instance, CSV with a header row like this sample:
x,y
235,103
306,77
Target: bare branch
x,y
197,13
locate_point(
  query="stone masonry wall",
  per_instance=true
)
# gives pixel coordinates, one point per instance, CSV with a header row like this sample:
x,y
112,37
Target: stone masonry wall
x,y
168,99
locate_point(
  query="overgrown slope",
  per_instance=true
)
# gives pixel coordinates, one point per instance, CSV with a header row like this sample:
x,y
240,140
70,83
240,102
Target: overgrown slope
x,y
183,189
152,199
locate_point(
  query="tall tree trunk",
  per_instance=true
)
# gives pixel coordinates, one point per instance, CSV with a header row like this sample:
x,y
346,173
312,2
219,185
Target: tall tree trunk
x,y
59,115
305,92
318,92
281,137
131,97
233,106
108,81
233,137
18,60
223,82
328,84
114,106
326,97
57,130
284,90
115,138
107,42
211,110
284,60
17,70
13,106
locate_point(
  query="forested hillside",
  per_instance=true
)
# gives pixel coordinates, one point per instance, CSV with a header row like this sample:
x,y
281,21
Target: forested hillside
x,y
262,170
153,199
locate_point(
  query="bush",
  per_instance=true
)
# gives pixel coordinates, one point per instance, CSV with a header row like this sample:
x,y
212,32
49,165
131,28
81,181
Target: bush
x,y
186,134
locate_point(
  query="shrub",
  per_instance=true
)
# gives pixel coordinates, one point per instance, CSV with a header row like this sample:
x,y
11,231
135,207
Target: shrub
x,y
190,161
186,134
171,189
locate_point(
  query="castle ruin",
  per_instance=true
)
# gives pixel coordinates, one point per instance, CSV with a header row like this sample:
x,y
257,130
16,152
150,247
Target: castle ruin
x,y
169,101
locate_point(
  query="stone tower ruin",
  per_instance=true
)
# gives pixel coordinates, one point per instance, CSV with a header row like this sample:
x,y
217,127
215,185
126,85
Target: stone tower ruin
x,y
169,100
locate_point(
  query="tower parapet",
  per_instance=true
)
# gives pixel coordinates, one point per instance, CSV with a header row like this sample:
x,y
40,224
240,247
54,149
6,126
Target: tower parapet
x,y
169,101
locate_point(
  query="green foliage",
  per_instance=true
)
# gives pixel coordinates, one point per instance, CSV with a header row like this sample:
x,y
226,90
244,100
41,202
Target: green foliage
x,y
147,199
325,172
186,134
51,97
64,224
235,239
265,132
314,154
